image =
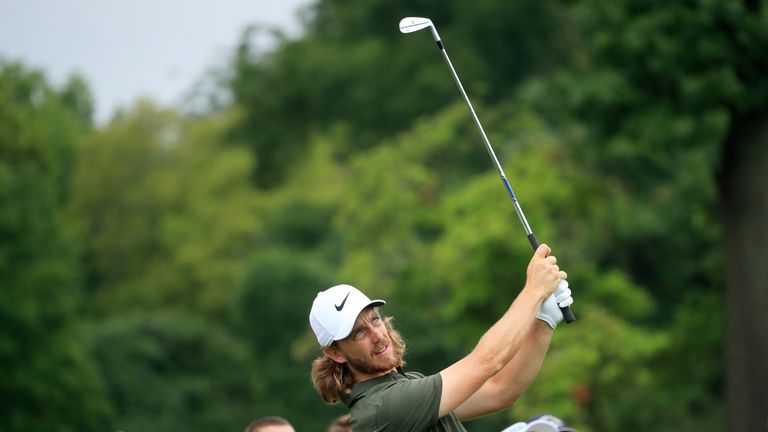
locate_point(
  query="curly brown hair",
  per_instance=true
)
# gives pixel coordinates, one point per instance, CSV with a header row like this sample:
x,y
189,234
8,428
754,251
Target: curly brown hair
x,y
334,380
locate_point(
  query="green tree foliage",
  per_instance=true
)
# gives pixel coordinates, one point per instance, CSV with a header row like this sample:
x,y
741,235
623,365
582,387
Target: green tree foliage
x,y
47,378
355,68
666,90
269,313
655,95
631,98
300,214
174,372
348,156
166,211
457,256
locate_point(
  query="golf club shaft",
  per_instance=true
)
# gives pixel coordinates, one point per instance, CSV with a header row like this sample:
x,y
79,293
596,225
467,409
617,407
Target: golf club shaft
x,y
567,313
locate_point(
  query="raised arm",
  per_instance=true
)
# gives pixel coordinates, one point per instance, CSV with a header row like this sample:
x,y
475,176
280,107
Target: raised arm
x,y
503,389
505,338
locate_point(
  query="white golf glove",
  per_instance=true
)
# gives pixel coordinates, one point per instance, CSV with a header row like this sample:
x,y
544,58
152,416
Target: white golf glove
x,y
544,423
549,311
535,426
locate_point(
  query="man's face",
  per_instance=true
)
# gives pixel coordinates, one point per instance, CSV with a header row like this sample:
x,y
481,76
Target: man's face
x,y
368,349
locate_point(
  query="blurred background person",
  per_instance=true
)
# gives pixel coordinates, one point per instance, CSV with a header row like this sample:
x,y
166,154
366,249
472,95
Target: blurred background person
x,y
270,424
341,424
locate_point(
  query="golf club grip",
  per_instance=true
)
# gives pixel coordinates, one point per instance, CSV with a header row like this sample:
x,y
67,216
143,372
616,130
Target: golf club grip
x,y
567,314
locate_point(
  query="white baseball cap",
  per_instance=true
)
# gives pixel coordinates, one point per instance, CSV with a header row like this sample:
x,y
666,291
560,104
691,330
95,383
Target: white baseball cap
x,y
335,311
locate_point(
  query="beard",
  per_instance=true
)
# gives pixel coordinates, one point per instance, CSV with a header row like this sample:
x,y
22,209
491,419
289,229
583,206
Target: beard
x,y
376,365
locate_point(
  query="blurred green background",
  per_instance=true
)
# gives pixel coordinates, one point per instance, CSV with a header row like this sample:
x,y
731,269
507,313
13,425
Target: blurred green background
x,y
157,270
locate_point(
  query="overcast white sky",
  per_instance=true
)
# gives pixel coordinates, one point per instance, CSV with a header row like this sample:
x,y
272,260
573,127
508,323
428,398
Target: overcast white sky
x,y
131,48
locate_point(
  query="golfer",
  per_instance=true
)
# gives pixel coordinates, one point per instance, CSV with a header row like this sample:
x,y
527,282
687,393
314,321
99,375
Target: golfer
x,y
362,358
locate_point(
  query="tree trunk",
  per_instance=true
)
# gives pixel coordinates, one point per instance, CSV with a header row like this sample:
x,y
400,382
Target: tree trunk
x,y
744,192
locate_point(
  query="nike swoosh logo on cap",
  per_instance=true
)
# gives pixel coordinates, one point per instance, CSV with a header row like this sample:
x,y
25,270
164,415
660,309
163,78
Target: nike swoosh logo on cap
x,y
341,306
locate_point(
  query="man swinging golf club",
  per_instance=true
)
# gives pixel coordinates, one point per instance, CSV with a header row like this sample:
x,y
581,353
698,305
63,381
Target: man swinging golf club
x,y
362,357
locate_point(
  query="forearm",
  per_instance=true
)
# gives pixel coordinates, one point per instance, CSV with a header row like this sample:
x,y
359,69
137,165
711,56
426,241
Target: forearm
x,y
502,342
503,389
515,378
498,346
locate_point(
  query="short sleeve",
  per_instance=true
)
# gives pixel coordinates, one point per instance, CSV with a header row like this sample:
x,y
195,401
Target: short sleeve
x,y
410,404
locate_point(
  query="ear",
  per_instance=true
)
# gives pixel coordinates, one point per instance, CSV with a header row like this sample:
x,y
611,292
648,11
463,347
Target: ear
x,y
334,354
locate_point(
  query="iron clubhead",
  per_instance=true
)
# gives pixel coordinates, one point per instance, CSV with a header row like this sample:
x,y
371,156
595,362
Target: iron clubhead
x,y
414,24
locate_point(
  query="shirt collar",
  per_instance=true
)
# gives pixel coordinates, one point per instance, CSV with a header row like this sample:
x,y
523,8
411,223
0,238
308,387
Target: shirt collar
x,y
358,389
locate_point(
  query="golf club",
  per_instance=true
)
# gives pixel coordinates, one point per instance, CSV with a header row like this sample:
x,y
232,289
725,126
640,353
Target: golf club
x,y
414,24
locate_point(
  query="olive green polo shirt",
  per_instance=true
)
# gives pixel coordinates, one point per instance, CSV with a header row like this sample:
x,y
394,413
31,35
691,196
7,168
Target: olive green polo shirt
x,y
400,402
